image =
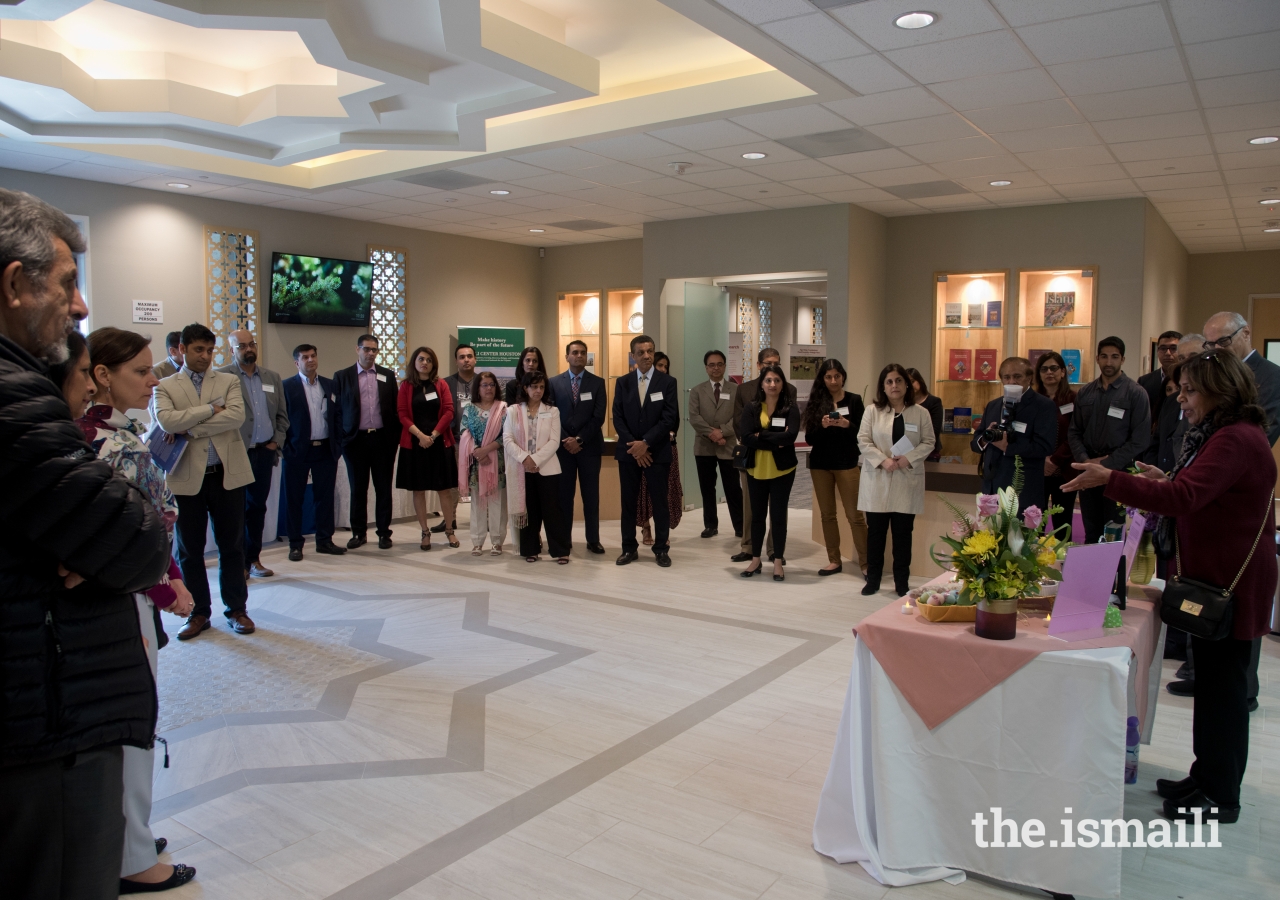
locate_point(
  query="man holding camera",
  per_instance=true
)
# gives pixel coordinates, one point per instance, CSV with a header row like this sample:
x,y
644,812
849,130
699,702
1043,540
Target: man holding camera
x,y
1020,423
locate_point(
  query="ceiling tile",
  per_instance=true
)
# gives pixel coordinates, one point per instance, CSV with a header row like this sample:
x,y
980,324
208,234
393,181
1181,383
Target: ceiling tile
x,y
396,189
959,201
868,74
871,161
728,209
94,172
701,197
757,191
1119,32
1264,118
1010,195
706,135
981,184
1169,148
1204,193
399,207
790,171
1088,190
1200,21
600,194
760,11
547,201
1175,180
961,148
829,184
346,197
891,106
793,202
924,131
1249,159
979,54
989,166
1149,128
983,91
640,203
860,196
774,152
501,169
909,175
502,208
1120,73
892,207
664,187
662,164
303,205
631,146
554,183
563,159
873,22
1139,169
616,173
722,178
791,122
410,222
1234,56
1260,174
1164,98
1082,174
1058,138
1024,116
1174,206
815,37
1257,87
1096,155
1028,12
359,212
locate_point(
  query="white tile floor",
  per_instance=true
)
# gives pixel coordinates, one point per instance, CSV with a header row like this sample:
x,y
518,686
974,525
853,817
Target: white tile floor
x,y
585,731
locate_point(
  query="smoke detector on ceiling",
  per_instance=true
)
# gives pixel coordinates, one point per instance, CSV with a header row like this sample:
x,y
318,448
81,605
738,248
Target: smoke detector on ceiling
x,y
680,167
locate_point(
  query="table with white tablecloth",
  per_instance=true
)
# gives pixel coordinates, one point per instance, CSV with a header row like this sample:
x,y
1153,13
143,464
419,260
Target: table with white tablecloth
x,y
900,798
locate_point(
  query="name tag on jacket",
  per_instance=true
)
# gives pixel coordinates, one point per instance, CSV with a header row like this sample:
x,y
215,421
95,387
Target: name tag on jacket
x,y
779,421
432,396
380,376
1019,427
912,428
269,388
1116,412
843,410
656,395
585,395
333,398
1067,408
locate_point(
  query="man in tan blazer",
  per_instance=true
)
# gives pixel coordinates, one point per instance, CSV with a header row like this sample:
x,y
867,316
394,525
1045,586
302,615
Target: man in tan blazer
x,y
711,405
207,407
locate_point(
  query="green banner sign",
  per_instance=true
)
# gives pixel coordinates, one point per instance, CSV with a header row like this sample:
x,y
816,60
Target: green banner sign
x,y
497,349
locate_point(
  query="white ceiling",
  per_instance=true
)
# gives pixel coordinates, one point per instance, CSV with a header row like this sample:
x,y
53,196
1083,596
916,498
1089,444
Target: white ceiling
x,y
1068,99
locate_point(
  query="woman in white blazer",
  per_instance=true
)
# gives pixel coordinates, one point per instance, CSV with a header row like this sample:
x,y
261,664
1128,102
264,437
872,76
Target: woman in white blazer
x,y
530,438
891,492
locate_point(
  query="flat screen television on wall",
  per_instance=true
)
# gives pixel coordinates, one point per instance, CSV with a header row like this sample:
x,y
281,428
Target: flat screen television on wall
x,y
315,290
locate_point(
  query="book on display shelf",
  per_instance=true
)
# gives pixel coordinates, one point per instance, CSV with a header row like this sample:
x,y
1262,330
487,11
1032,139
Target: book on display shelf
x,y
995,313
948,420
960,365
1059,308
985,365
962,420
1072,359
976,315
951,311
1033,356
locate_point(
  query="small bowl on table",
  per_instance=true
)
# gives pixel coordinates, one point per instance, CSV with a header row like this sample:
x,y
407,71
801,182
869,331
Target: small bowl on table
x,y
954,612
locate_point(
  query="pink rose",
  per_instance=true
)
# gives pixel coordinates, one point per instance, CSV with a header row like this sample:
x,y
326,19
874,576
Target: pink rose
x,y
988,505
1032,516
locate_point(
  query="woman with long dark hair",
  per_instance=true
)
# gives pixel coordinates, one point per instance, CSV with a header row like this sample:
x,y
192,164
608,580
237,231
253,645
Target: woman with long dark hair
x,y
530,361
932,405
73,375
830,423
768,427
895,439
482,476
427,459
1051,380
1219,516
675,490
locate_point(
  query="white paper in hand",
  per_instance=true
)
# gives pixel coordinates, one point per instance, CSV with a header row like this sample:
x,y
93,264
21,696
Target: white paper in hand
x,y
901,447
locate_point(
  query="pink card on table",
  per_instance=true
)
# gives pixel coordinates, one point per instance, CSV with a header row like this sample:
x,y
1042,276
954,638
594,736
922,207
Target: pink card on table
x,y
1131,540
1087,577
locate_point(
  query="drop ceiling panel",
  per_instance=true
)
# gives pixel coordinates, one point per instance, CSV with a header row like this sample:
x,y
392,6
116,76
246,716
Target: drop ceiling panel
x,y
1099,189
871,161
993,167
1260,118
1146,128
1199,21
1166,166
909,175
924,131
1119,32
815,37
1010,195
1024,116
1169,148
556,183
631,146
722,178
1256,87
1120,73
1026,86
1190,179
1059,138
706,135
790,171
773,152
873,22
760,11
1097,155
891,106
616,173
868,74
1165,98
1233,56
829,184
1083,174
563,159
1029,12
979,54
961,148
755,192
798,120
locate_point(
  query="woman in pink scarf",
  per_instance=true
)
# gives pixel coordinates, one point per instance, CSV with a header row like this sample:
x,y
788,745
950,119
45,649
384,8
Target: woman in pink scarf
x,y
481,474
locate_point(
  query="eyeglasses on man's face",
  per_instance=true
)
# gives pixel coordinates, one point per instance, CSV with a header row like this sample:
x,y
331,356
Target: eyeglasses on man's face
x,y
1223,343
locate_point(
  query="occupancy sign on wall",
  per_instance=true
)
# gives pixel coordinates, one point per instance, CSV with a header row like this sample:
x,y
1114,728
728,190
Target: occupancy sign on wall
x,y
497,349
148,312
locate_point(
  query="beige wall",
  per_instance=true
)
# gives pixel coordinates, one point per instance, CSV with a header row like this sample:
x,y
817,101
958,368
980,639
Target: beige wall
x,y
148,245
862,318
1107,234
1164,283
1224,281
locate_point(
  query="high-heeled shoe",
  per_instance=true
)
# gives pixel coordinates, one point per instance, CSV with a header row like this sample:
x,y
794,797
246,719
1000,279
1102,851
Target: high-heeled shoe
x,y
426,541
452,538
748,573
782,577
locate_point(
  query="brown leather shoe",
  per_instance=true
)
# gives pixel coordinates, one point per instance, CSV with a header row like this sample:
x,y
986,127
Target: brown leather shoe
x,y
258,570
242,624
194,626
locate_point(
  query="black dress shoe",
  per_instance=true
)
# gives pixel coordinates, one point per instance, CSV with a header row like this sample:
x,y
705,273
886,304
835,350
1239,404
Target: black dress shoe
x,y
628,556
663,560
295,554
740,557
358,541
384,543
181,875
161,843
710,532
836,571
1226,815
331,548
1181,688
1172,790
597,547
868,589
1252,704
1186,672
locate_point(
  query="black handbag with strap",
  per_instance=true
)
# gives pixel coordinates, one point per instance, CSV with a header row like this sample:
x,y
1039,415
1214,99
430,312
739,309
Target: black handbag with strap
x,y
1203,610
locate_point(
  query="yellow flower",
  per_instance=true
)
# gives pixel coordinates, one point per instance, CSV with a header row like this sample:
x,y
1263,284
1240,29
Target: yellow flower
x,y
1049,541
979,544
1046,557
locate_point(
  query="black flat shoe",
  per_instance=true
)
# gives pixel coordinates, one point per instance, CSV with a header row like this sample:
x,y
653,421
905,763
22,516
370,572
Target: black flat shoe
x,y
836,571
331,548
1172,790
740,557
779,577
295,554
709,532
868,589
161,843
1184,808
181,875
357,541
384,543
1181,688
748,573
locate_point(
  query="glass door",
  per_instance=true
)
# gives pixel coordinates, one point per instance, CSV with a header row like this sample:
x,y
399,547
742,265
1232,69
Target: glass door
x,y
706,327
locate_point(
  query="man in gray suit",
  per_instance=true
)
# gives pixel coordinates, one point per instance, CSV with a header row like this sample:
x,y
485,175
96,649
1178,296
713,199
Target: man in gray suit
x,y
711,406
173,360
266,421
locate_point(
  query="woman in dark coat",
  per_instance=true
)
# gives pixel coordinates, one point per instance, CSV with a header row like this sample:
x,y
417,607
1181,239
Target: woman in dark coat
x,y
768,427
1219,502
428,461
1051,381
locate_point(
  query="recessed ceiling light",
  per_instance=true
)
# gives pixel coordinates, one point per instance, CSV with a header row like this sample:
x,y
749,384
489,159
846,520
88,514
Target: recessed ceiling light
x,y
1269,202
754,155
1001,183
1269,139
179,185
500,193
914,20
537,230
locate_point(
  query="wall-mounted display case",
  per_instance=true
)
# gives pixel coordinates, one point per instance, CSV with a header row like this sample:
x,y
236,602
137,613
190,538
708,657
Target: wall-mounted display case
x,y
625,321
580,319
970,327
1056,311
606,321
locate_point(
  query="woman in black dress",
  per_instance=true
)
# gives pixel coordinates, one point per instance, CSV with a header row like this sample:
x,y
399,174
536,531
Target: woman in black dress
x,y
932,405
530,361
428,461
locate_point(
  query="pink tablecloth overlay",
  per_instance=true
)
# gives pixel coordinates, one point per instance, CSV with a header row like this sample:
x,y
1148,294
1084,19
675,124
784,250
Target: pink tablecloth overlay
x,y
942,667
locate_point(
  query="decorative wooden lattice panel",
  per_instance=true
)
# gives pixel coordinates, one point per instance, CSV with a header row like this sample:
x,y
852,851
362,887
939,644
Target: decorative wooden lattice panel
x,y
389,321
231,284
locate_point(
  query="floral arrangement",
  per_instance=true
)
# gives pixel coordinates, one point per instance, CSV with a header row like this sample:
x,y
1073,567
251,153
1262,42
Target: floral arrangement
x,y
998,554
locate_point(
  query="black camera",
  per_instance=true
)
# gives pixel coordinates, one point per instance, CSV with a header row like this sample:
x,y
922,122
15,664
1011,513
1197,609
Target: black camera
x,y
994,434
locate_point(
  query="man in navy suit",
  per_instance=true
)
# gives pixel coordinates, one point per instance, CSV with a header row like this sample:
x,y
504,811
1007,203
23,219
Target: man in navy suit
x,y
580,397
311,446
646,409
370,437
